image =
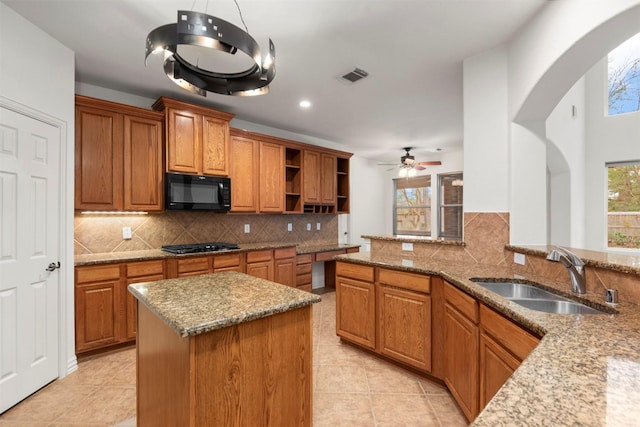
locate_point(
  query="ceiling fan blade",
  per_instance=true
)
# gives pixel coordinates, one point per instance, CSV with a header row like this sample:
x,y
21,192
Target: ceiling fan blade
x,y
386,164
433,163
418,167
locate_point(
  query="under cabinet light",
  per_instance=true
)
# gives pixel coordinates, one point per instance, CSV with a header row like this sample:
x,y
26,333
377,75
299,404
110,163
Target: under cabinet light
x,y
114,213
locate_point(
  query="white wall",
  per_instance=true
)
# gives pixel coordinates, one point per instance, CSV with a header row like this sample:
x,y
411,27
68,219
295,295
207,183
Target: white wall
x,y
566,155
609,139
486,132
37,72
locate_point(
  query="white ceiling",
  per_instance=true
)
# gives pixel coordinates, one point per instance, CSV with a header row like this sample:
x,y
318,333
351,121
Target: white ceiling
x,y
412,49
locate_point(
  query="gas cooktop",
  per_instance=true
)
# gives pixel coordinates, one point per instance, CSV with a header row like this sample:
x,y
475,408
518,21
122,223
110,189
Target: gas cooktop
x,y
199,247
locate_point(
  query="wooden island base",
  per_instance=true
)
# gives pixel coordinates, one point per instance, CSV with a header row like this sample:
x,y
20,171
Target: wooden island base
x,y
257,373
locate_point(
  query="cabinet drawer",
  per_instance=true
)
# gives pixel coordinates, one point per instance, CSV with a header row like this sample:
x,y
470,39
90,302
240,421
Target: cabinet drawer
x,y
145,268
355,271
97,273
303,279
401,279
464,303
328,256
259,256
285,253
227,260
304,259
189,265
507,333
304,268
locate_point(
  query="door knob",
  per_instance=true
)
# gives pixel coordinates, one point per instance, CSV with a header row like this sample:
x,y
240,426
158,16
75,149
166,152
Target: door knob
x,y
53,266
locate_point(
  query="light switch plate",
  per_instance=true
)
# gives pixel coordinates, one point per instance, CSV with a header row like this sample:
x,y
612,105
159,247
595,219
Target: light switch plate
x,y
308,227
318,226
519,258
407,263
247,228
126,233
407,246
289,227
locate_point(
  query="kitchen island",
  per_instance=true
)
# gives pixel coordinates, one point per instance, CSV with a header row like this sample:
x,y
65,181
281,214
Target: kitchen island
x,y
223,349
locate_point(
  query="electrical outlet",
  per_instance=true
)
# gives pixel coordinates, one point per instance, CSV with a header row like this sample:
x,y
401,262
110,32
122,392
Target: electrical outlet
x,y
318,226
519,258
289,227
247,228
407,246
126,233
308,227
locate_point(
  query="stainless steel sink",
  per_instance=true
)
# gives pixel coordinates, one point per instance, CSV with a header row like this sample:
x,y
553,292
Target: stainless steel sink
x,y
534,298
557,307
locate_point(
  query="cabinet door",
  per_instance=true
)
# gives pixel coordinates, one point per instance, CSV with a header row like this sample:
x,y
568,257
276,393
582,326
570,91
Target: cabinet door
x,y
131,307
98,159
263,269
404,326
215,146
328,178
461,360
143,171
96,310
271,177
184,133
285,271
244,174
356,311
496,366
311,177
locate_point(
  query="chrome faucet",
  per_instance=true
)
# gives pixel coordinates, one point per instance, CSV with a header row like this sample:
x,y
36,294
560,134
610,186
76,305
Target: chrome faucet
x,y
575,266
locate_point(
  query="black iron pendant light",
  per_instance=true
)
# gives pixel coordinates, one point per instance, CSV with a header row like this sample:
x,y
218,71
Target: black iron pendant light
x,y
206,31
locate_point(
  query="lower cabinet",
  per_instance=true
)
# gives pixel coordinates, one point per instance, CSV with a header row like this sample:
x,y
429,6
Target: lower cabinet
x,y
422,322
284,266
260,264
461,349
105,312
356,304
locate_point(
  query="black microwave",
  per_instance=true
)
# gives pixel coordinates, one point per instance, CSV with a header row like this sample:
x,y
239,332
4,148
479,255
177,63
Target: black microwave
x,y
194,192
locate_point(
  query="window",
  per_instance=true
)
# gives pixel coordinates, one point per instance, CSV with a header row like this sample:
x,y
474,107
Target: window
x,y
624,205
624,77
450,205
412,206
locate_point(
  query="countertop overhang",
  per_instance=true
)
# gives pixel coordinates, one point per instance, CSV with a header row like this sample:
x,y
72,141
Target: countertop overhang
x,y
585,371
196,305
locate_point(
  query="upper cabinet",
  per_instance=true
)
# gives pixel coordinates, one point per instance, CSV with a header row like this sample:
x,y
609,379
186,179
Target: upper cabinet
x,y
118,157
197,138
257,174
325,178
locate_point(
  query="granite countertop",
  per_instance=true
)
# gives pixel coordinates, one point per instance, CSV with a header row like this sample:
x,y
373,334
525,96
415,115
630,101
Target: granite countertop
x,y
415,239
195,305
151,254
585,371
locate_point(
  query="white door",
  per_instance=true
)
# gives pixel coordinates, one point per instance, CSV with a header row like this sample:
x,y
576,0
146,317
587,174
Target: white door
x,y
29,238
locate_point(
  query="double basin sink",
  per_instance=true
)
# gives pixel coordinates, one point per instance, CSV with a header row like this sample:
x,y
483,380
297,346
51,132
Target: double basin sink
x,y
537,299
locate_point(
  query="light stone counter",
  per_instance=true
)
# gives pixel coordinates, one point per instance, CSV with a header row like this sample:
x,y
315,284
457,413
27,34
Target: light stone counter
x,y
195,305
584,372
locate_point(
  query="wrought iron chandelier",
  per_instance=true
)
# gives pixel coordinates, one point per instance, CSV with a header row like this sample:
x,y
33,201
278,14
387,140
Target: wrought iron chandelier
x,y
206,31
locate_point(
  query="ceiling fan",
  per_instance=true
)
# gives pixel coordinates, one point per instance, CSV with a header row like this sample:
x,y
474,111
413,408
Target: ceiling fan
x,y
408,165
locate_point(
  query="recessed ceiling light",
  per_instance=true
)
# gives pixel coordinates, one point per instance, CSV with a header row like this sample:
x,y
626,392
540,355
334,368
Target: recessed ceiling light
x,y
305,104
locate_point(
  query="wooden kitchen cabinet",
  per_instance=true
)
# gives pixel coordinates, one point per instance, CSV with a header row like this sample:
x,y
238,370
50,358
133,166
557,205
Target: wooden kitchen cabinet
x,y
285,266
356,304
197,138
118,157
404,318
271,177
228,262
503,346
138,272
260,264
97,306
461,346
319,181
304,272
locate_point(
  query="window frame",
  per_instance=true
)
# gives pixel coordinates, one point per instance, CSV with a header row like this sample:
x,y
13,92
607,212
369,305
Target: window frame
x,y
607,224
429,206
441,205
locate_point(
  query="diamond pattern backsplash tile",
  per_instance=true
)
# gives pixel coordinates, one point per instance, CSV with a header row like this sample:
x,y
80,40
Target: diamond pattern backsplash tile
x,y
100,234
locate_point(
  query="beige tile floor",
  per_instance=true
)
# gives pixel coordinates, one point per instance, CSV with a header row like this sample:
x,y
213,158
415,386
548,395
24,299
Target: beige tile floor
x,y
351,388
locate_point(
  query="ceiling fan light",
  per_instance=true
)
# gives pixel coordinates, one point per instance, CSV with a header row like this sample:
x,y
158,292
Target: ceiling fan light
x,y
402,173
412,172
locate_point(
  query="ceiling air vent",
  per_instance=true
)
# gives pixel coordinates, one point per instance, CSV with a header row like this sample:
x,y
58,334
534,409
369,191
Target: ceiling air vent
x,y
355,75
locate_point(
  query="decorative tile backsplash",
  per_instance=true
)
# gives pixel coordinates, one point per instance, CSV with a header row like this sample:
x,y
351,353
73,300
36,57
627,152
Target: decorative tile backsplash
x,y
100,234
485,236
